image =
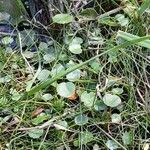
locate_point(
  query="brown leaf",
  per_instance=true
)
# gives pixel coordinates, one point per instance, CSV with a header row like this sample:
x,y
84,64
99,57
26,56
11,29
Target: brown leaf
x,y
73,97
38,111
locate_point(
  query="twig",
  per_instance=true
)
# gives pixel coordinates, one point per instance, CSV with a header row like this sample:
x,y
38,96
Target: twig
x,y
109,13
10,34
139,93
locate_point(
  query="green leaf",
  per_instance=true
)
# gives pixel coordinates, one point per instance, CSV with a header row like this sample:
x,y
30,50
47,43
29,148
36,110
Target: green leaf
x,y
57,69
43,46
35,133
115,118
117,91
75,48
62,123
77,40
62,18
110,21
7,40
8,50
127,138
85,137
5,79
75,45
39,119
95,40
63,57
81,120
111,145
15,94
88,99
95,66
74,75
65,89
43,75
47,97
122,20
88,14
49,58
111,100
99,106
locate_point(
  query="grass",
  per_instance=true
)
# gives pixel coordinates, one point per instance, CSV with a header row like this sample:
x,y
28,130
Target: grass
x,y
115,60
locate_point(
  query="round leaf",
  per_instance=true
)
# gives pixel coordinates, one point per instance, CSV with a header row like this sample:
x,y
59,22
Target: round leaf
x,y
77,40
111,145
99,106
117,91
61,125
65,89
88,98
116,118
127,138
62,18
111,100
81,120
88,14
49,58
43,75
43,46
122,20
75,48
35,133
74,75
58,68
86,137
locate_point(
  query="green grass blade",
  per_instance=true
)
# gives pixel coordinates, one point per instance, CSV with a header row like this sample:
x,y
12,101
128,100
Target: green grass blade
x,y
145,5
129,37
52,80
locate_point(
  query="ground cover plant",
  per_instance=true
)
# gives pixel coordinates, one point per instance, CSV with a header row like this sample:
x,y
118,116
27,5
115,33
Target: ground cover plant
x,y
80,81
